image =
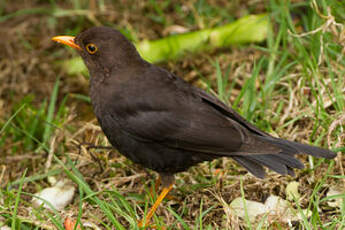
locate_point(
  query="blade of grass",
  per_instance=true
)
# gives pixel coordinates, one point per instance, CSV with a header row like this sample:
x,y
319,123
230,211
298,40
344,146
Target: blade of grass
x,y
249,224
37,177
77,178
50,113
179,218
11,118
16,204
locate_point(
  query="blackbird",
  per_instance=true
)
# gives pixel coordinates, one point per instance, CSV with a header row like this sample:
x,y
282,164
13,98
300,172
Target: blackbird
x,y
158,120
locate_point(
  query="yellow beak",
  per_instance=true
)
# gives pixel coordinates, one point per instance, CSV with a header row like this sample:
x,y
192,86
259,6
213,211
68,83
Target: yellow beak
x,y
67,40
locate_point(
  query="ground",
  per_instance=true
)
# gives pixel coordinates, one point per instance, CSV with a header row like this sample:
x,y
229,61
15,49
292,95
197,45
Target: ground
x,y
290,85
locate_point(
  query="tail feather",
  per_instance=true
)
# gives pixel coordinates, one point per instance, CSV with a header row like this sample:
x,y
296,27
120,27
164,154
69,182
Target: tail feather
x,y
271,163
288,160
298,148
253,167
283,162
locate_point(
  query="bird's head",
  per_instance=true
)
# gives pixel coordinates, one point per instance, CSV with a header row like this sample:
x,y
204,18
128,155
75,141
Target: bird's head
x,y
102,49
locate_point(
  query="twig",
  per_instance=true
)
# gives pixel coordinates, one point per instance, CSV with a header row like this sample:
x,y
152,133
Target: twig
x,y
339,159
2,173
50,155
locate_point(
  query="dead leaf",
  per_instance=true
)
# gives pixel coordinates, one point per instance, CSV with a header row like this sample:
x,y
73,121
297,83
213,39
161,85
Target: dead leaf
x,y
59,196
291,191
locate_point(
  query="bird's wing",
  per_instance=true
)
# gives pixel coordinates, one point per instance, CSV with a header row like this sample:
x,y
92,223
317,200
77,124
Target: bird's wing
x,y
228,111
177,115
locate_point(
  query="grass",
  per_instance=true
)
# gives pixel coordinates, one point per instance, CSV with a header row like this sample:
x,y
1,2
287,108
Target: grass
x,y
292,86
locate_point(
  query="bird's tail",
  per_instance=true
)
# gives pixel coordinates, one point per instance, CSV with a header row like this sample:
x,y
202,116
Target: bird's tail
x,y
283,162
298,148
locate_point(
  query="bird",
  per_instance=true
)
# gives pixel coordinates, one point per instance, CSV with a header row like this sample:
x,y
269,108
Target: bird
x,y
160,121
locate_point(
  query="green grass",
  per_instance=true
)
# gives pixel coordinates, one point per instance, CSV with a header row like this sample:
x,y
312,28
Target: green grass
x,y
291,86
33,126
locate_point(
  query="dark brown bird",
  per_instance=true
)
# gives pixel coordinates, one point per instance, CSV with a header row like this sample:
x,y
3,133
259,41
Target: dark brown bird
x,y
158,120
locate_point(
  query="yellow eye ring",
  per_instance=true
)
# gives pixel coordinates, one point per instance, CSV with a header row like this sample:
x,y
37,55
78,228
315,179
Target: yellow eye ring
x,y
91,48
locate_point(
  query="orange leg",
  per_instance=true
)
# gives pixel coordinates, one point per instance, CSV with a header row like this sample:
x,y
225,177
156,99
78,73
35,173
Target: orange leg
x,y
146,220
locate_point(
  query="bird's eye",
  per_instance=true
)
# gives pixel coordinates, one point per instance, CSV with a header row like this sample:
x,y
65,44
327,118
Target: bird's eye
x,y
91,48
